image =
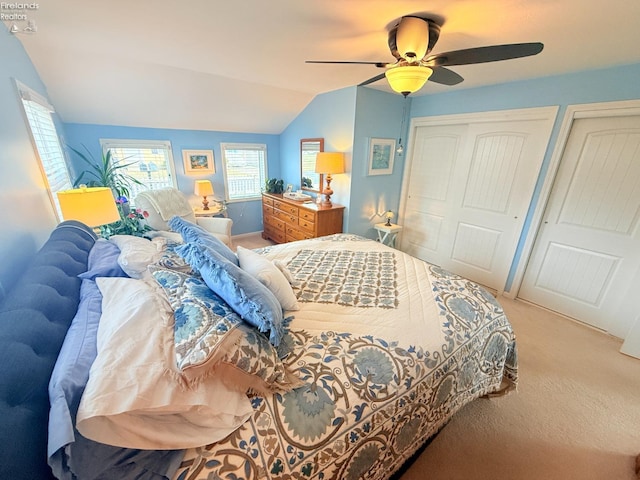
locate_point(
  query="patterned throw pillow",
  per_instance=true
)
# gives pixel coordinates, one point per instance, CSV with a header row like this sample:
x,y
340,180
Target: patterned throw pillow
x,y
211,339
249,298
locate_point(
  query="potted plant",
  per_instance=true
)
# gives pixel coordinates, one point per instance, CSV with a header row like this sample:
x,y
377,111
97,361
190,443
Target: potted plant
x,y
105,173
273,185
109,173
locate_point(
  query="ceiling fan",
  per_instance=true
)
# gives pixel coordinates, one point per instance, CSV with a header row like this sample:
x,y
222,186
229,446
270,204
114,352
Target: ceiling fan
x,y
411,40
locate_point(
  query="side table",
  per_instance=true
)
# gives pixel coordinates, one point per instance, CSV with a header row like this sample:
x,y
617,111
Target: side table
x,y
387,233
215,211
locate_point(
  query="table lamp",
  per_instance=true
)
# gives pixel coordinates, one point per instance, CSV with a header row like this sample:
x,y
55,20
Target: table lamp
x,y
328,163
93,206
202,189
388,215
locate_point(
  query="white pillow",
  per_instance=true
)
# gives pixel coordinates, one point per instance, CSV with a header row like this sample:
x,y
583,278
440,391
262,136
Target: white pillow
x,y
285,271
136,253
269,275
134,398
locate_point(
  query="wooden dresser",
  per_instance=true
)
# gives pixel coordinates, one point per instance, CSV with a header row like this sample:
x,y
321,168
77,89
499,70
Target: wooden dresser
x,y
287,220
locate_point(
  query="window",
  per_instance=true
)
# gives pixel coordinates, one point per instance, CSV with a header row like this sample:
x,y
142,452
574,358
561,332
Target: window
x,y
47,144
245,170
148,161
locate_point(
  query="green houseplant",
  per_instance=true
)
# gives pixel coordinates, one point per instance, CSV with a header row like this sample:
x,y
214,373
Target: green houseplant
x,y
273,185
105,173
109,173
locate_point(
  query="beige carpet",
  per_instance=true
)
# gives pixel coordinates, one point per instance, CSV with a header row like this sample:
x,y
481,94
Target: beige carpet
x,y
576,414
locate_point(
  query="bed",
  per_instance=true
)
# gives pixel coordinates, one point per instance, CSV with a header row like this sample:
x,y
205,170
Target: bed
x,y
372,355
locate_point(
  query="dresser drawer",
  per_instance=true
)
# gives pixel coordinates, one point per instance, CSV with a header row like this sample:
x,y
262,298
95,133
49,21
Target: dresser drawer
x,y
267,201
307,215
277,236
285,216
274,223
267,210
286,207
295,234
307,225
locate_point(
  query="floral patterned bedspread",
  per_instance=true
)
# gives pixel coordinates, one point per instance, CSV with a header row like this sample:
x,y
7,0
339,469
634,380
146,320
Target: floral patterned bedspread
x,y
369,401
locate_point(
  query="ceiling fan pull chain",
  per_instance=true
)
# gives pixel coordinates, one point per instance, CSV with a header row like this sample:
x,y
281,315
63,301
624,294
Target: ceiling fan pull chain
x,y
400,148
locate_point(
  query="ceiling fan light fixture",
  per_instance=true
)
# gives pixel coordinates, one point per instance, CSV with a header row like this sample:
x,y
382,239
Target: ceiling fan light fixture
x,y
407,79
412,38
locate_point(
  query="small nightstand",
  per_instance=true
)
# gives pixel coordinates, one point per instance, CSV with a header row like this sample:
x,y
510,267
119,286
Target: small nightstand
x,y
216,210
387,233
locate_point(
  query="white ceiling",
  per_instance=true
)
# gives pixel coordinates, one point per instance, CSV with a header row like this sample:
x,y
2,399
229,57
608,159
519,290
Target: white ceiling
x,y
239,65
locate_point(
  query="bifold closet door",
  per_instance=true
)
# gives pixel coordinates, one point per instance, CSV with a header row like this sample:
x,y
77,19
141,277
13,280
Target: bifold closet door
x,y
467,191
588,249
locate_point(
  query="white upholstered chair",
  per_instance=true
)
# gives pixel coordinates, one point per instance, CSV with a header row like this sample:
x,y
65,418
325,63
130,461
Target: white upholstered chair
x,y
165,203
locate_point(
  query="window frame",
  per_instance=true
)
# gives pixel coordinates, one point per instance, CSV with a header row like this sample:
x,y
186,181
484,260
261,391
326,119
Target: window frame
x,y
27,94
264,170
114,143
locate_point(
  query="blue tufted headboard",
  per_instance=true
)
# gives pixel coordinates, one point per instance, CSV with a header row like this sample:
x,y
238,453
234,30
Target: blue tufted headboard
x,y
34,318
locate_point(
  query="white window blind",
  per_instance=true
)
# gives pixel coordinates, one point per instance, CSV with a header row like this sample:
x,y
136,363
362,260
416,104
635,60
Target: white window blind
x,y
148,161
47,143
245,170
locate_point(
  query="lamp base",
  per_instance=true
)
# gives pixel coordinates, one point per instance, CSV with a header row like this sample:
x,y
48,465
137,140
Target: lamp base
x,y
326,203
205,203
388,224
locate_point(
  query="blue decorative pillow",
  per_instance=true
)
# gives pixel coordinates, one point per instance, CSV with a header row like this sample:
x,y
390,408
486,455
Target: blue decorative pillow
x,y
211,339
103,261
195,234
250,299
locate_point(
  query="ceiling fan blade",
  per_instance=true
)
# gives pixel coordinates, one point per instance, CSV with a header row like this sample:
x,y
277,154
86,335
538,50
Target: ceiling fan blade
x,y
492,53
372,80
377,64
444,76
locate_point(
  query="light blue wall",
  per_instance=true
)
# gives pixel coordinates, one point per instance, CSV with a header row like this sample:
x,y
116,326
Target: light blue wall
x,y
26,207
247,216
329,116
26,215
594,86
347,119
378,115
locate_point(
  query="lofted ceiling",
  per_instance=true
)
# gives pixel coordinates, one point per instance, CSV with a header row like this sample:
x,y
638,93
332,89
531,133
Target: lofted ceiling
x,y
240,66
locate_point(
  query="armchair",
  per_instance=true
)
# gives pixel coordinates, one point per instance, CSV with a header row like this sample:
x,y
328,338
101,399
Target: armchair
x,y
165,203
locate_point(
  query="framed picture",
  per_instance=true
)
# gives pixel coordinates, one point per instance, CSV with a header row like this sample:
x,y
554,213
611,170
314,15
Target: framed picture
x,y
381,154
198,162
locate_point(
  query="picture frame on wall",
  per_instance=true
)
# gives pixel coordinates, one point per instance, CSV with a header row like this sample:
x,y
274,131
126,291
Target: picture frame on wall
x,y
198,162
381,155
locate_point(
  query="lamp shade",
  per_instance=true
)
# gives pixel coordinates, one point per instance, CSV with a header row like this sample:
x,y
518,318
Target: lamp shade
x,y
93,206
407,79
203,188
330,162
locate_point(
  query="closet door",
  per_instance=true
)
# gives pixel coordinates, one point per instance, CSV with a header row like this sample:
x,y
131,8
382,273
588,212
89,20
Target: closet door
x,y
466,193
588,249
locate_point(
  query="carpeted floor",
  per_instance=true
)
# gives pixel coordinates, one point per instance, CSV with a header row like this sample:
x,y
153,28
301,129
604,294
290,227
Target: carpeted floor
x,y
576,414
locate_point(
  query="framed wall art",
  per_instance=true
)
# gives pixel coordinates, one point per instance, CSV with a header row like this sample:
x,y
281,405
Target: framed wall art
x,y
198,162
381,154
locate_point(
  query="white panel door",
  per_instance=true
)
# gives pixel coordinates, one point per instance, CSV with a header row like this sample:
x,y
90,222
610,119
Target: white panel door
x,y
467,193
588,249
